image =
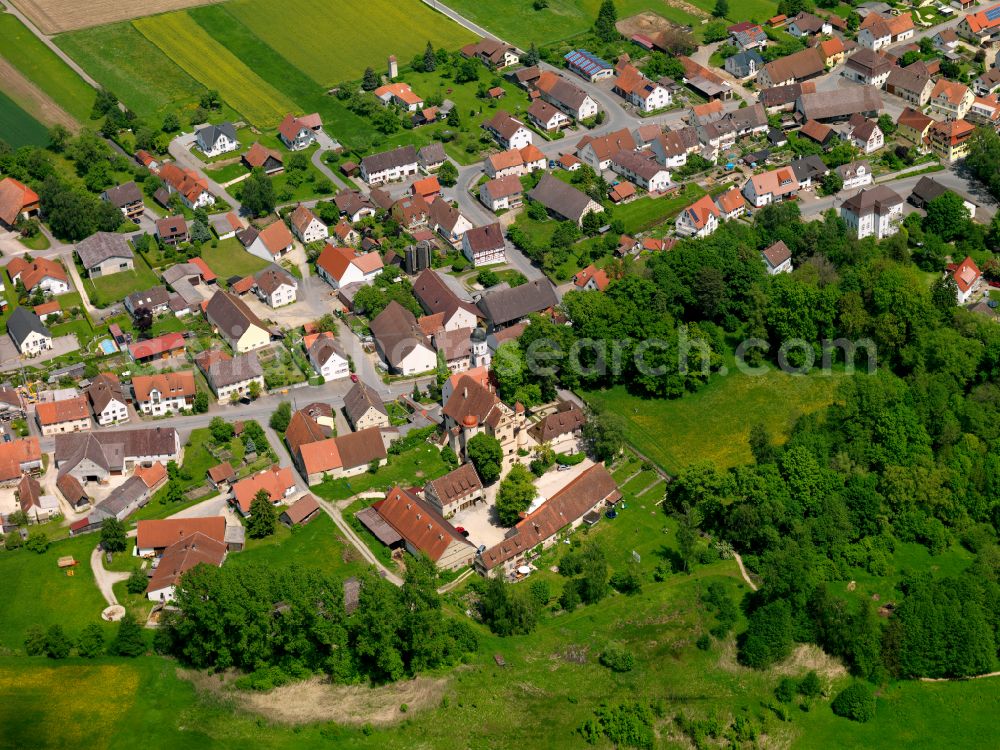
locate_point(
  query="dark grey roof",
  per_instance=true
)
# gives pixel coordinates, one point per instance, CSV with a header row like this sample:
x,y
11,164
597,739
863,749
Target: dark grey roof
x,y
208,135
398,157
432,153
238,369
23,322
156,296
109,450
123,195
560,198
271,278
360,399
133,491
848,101
505,306
808,167
927,189
100,246
397,333
873,199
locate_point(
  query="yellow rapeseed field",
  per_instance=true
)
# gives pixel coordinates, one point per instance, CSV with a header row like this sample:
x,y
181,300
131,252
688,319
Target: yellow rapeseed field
x,y
205,60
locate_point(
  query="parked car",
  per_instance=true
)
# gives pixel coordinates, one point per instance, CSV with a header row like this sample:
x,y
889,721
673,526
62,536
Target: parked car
x,y
354,377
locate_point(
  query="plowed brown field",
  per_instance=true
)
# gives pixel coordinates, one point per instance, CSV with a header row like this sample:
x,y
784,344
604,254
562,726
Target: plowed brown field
x,y
56,16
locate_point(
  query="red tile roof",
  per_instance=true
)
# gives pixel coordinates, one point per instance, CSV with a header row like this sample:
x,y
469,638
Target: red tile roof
x,y
67,410
159,534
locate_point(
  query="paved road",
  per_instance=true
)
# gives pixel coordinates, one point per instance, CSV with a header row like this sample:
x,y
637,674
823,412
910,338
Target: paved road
x,y
180,149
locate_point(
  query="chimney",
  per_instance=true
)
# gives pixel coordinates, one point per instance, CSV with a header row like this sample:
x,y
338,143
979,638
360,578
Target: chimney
x,y
465,392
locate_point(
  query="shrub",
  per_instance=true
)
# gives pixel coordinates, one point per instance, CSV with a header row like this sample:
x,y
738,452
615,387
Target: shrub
x,y
38,541
786,690
810,686
704,643
617,659
136,582
855,702
34,641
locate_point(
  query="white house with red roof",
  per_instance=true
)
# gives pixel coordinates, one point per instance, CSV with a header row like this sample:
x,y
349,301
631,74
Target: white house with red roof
x,y
699,219
273,242
400,95
298,133
591,279
340,266
968,278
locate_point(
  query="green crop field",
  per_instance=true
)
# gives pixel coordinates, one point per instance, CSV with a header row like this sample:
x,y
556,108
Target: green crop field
x,y
17,127
336,42
187,44
127,63
25,51
714,423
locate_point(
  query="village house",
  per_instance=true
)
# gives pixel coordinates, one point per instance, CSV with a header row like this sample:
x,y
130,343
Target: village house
x,y
832,51
547,117
230,377
494,54
968,280
639,91
306,226
273,242
275,286
508,132
180,557
172,230
264,158
236,323
744,64
437,298
164,393
28,333
951,99
457,490
364,408
913,84
188,184
40,273
583,500
794,68
782,98
672,147
731,204
355,205
564,201
877,31
12,404
215,140
864,134
875,212
423,530
345,234
389,166
515,162
327,356
400,342
502,193
913,127
855,175
700,219
591,279
868,67
777,258
127,198
17,201
399,94
342,456
37,506
598,152
340,266
448,222
950,139
771,187
985,110
642,169
279,483
96,456
67,415
298,133
484,245
431,157
566,96
107,399
981,28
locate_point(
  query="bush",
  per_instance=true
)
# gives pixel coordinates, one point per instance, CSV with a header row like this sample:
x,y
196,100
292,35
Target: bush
x,y
57,645
786,690
617,659
810,686
91,641
855,702
13,540
38,541
137,582
704,643
34,641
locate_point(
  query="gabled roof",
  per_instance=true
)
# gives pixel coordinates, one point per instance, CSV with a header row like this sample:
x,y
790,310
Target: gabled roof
x,y
385,160
301,509
222,372
699,212
848,101
291,126
275,480
796,66
258,155
209,134
418,523
731,200
67,410
599,276
561,90
567,419
123,195
301,218
360,399
951,91
817,131
336,260
504,124
776,254
503,306
435,296
967,274
182,556
33,272
399,90
560,198
397,332
915,119
272,278
169,384
109,450
168,342
606,146
104,389
15,454
230,314
23,322
485,238
161,533
15,197
276,237
456,484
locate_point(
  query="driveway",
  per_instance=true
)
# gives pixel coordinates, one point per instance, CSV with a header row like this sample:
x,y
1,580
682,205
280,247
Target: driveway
x,y
105,578
9,355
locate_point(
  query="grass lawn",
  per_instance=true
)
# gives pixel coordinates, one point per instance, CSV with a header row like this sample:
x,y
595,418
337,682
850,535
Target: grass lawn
x,y
126,62
105,290
318,544
36,591
415,466
714,423
19,128
25,51
207,61
645,213
229,258
228,172
333,47
38,242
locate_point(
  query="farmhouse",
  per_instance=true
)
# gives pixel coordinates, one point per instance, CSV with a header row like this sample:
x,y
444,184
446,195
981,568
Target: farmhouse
x,y
215,140
571,99
504,308
912,84
107,399
868,67
127,198
484,245
278,482
794,68
154,537
67,415
236,323
562,200
423,530
389,166
28,333
431,157
436,297
547,117
582,499
343,456
180,557
35,505
95,456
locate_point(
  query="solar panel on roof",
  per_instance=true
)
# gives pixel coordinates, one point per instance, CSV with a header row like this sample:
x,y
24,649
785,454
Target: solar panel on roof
x,y
993,13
